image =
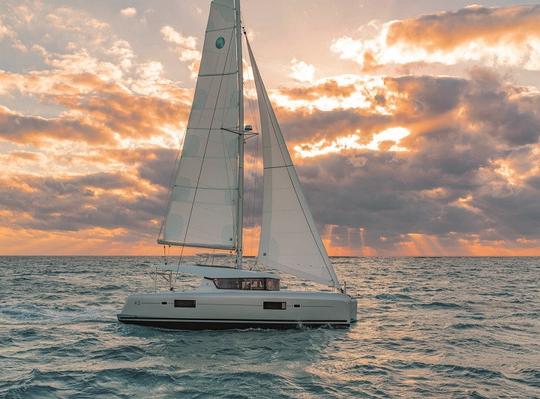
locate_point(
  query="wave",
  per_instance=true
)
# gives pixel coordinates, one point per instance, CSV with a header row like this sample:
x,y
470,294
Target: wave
x,y
395,297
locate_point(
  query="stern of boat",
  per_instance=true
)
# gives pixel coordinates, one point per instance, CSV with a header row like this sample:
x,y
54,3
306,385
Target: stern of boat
x,y
353,309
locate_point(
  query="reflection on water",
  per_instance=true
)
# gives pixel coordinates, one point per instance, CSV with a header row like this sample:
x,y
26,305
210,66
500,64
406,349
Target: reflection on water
x,y
444,327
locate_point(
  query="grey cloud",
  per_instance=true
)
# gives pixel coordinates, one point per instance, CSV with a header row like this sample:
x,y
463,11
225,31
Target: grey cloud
x,y
71,204
21,128
448,183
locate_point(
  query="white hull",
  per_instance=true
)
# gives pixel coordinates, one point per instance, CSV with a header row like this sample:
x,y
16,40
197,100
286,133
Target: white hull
x,y
230,309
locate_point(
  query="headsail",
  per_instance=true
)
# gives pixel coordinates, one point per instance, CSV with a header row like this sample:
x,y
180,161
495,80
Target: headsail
x,y
202,211
289,238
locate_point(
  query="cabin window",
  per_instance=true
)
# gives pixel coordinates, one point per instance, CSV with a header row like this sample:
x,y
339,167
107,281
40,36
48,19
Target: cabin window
x,y
260,284
272,284
275,305
252,284
183,303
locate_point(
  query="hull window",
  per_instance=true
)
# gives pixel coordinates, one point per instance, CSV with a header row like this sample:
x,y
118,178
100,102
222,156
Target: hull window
x,y
183,303
275,305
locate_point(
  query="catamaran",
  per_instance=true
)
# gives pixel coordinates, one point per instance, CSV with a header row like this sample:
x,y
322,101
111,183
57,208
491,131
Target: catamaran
x,y
205,210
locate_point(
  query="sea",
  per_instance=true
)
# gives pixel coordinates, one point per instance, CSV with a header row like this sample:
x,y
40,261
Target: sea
x,y
459,327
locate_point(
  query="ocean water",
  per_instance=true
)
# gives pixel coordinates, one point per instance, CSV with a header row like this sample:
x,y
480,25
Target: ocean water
x,y
428,327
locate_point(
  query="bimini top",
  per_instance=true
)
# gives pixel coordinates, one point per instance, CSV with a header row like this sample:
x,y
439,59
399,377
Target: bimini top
x,y
217,271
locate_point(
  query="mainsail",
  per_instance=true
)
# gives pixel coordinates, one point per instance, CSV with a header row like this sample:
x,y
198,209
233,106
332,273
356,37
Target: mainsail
x,y
289,239
203,210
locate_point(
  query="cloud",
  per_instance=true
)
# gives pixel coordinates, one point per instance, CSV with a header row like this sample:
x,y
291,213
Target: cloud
x,y
468,148
68,19
7,32
104,212
98,112
96,101
450,30
128,12
172,36
326,88
391,164
357,112
472,150
104,200
4,31
25,155
34,129
302,71
184,46
505,36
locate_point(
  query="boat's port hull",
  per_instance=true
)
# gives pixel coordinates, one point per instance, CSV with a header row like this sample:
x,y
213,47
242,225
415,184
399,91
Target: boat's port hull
x,y
221,310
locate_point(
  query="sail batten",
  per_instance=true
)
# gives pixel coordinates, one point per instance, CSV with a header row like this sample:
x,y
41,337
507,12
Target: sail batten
x,y
289,239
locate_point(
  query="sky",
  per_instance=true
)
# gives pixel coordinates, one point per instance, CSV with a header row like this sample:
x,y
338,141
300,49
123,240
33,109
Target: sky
x,y
414,125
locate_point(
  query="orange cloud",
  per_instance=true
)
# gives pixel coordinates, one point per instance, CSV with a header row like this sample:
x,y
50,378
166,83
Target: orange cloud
x,y
506,36
96,111
329,88
450,30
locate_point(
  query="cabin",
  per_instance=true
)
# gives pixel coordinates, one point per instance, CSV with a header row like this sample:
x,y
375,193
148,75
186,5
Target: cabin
x,y
227,278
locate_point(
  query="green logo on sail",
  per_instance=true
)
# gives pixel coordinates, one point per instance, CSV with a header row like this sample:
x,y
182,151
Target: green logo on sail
x,y
220,42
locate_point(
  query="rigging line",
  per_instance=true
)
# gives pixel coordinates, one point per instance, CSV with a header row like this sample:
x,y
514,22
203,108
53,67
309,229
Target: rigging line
x,y
271,113
204,156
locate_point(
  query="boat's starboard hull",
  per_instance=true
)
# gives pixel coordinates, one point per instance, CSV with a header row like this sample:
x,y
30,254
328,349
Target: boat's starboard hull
x,y
200,310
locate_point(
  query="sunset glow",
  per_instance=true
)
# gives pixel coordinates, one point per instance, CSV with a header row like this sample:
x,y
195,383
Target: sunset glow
x,y
391,137
414,132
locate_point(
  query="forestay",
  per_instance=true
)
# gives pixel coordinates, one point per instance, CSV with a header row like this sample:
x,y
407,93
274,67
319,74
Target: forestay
x,y
202,208
289,240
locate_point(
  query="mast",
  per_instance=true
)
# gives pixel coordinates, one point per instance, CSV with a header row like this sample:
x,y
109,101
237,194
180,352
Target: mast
x,y
240,205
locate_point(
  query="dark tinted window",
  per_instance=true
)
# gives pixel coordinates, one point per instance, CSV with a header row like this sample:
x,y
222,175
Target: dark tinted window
x,y
272,284
275,305
252,283
183,303
227,283
269,284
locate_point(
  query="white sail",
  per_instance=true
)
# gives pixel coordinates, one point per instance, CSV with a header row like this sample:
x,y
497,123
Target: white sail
x,y
202,211
289,240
